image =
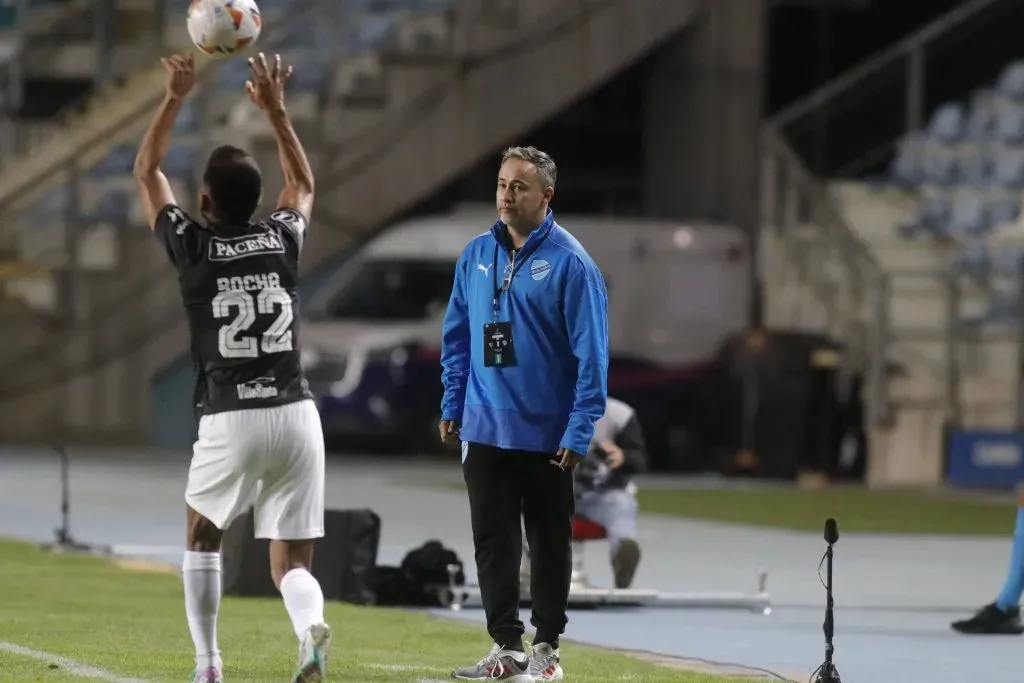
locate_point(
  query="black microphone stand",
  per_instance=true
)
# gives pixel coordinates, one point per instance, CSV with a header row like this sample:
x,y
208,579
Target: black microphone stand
x,y
827,672
65,543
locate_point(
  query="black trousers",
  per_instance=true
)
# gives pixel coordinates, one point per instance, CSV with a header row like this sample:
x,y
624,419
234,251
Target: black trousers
x,y
506,487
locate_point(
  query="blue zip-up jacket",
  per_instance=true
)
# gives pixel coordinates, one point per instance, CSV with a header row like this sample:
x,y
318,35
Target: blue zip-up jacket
x,y
557,305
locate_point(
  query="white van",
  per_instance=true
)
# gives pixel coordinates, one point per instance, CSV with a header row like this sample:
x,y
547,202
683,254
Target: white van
x,y
371,341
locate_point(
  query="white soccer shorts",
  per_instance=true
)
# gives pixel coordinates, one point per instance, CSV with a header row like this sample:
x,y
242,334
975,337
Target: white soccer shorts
x,y
271,459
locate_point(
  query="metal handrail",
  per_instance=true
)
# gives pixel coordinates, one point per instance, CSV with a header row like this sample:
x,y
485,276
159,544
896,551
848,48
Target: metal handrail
x,y
905,48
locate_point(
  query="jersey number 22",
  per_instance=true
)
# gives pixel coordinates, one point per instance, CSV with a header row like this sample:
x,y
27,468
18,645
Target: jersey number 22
x,y
231,341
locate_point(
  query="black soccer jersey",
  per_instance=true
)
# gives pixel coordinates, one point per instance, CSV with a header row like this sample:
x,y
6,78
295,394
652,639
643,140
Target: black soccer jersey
x,y
238,285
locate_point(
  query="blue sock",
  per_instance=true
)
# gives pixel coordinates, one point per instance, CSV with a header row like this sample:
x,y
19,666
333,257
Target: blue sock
x,y
1014,586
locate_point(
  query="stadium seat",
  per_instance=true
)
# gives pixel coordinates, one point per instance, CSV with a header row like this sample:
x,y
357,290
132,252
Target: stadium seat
x,y
967,216
313,76
947,123
938,162
181,161
1005,261
117,162
112,207
973,164
907,168
1008,169
1009,122
188,118
1011,82
1002,208
981,119
973,256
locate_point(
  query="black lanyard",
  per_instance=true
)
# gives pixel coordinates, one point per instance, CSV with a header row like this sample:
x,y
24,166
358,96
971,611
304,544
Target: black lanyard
x,y
517,262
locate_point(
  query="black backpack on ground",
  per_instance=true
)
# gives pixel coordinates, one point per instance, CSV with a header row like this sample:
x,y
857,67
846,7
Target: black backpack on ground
x,y
420,578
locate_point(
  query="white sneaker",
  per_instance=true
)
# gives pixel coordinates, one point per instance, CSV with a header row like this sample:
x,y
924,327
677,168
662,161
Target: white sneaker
x,y
313,651
544,663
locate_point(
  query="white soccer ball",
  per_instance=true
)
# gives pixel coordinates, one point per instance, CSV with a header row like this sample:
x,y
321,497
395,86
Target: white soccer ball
x,y
220,28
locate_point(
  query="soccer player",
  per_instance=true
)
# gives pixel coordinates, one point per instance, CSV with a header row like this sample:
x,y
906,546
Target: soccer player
x,y
260,442
1003,615
525,358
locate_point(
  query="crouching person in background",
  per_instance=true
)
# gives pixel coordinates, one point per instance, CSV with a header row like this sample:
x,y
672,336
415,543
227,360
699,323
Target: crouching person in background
x,y
605,491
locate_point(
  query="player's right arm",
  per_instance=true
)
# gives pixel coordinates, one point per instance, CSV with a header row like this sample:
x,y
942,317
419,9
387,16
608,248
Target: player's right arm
x,y
154,188
266,89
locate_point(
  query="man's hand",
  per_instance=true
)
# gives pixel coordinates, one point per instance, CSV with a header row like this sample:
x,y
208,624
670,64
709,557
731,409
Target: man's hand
x,y
567,458
449,430
180,75
614,455
266,89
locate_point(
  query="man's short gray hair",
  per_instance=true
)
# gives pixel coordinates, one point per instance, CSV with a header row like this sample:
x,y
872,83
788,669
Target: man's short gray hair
x,y
542,161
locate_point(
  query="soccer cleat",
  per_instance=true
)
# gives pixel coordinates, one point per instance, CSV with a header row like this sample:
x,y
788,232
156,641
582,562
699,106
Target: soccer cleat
x,y
624,562
210,675
544,664
499,665
313,652
990,620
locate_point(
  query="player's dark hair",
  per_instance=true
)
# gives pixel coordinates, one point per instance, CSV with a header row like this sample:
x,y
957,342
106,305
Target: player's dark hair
x,y
233,183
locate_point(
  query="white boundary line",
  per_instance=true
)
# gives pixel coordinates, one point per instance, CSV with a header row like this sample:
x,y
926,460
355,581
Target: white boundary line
x,y
68,665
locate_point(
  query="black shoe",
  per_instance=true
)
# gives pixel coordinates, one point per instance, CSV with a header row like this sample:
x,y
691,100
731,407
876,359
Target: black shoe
x,y
990,620
624,562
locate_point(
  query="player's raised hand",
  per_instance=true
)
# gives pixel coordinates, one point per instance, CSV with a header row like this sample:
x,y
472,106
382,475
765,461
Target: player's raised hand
x,y
266,88
180,74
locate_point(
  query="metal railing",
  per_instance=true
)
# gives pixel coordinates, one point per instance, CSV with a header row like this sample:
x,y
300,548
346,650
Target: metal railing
x,y
914,75
832,263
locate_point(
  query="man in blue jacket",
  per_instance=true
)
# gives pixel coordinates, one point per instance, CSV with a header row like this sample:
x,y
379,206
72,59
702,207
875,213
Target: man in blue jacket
x,y
525,358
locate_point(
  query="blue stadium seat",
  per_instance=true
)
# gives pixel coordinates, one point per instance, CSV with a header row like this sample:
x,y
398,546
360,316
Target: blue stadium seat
x,y
313,76
907,166
233,74
1002,208
1005,260
981,118
938,163
1009,122
1008,167
967,215
118,162
181,161
373,30
973,256
973,164
111,208
948,123
188,118
1011,82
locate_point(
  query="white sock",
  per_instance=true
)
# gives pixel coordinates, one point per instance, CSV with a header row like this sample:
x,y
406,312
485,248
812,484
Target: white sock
x,y
201,575
303,599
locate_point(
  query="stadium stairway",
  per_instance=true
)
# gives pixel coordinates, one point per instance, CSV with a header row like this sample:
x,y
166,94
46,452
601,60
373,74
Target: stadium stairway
x,y
919,317
407,119
418,98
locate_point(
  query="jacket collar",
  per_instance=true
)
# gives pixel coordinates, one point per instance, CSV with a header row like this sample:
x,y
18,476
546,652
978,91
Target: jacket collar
x,y
500,232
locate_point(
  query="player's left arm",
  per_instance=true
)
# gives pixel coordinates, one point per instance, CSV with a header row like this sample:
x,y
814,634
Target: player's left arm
x,y
585,306
154,188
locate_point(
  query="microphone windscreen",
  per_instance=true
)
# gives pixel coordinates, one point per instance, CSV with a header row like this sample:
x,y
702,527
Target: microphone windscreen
x,y
831,531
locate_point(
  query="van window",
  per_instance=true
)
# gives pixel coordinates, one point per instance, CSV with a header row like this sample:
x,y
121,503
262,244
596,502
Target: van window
x,y
394,289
